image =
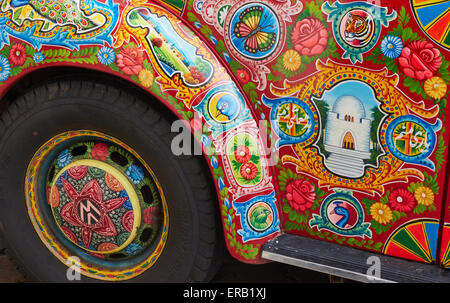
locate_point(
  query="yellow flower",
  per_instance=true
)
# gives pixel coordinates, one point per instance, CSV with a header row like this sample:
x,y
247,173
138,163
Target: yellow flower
x,y
381,213
146,77
424,196
435,87
292,60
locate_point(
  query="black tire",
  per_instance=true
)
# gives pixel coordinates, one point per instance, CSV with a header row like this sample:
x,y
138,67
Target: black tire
x,y
193,243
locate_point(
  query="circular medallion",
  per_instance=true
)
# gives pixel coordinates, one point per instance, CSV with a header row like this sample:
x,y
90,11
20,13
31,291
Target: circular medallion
x,y
357,28
260,216
292,119
412,139
342,214
224,107
254,31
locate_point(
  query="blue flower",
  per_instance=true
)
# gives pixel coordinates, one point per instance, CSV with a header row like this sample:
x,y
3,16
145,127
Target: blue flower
x,y
38,57
133,249
63,158
392,46
135,173
106,55
5,68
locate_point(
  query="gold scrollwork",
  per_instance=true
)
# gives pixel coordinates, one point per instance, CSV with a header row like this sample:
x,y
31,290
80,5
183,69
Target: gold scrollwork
x,y
392,101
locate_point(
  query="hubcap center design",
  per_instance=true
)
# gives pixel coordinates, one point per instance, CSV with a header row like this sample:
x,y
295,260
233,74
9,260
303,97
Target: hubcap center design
x,y
95,206
88,212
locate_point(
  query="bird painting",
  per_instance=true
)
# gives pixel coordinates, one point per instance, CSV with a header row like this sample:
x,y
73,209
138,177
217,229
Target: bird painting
x,y
61,12
228,106
345,215
259,218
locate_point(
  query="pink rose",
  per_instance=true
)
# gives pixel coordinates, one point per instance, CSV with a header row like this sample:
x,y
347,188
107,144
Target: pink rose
x,y
309,37
420,60
130,60
300,194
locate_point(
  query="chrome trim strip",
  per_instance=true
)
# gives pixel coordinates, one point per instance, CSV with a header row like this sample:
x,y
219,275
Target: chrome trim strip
x,y
346,274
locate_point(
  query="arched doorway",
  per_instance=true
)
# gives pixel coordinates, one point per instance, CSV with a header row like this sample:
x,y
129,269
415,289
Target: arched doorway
x,y
349,141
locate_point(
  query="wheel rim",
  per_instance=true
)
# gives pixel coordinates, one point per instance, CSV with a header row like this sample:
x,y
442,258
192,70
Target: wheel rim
x,y
96,204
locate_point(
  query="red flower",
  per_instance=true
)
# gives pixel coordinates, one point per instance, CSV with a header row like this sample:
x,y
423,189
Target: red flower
x,y
402,200
242,154
197,75
249,171
130,60
17,54
150,214
242,76
100,151
420,60
157,42
300,194
309,37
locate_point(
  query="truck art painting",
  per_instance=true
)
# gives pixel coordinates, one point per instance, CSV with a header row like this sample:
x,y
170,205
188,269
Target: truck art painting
x,y
321,124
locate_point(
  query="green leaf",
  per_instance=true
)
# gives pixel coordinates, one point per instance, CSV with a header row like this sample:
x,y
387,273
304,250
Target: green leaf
x,y
380,228
403,17
420,208
286,208
367,203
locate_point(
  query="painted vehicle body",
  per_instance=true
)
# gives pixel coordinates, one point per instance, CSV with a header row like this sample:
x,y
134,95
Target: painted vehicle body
x,y
352,95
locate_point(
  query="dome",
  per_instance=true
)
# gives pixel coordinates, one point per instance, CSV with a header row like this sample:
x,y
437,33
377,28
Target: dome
x,y
349,105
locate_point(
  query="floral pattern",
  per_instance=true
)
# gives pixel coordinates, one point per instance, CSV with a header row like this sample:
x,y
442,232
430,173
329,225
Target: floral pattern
x,y
130,60
93,192
402,200
309,37
106,55
424,196
4,68
300,195
420,60
292,60
17,54
242,154
392,47
381,213
436,88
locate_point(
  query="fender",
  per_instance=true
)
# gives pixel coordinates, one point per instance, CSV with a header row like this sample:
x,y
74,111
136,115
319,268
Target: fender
x,y
150,46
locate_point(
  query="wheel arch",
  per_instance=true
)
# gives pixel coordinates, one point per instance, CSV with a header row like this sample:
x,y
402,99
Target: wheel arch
x,y
37,77
181,99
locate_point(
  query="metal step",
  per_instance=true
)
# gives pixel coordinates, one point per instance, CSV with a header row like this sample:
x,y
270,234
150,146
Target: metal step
x,y
350,263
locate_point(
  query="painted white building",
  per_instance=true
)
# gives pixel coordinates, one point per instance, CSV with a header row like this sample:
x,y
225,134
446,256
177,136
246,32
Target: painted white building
x,y
347,137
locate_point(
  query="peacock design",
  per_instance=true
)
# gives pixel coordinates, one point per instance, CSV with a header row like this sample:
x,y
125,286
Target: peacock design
x,y
60,12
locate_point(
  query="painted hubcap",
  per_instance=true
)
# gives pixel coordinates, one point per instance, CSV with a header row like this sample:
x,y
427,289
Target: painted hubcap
x,y
95,206
100,202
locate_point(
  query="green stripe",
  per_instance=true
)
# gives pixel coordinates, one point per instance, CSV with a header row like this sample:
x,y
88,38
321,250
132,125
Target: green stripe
x,y
178,4
404,239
